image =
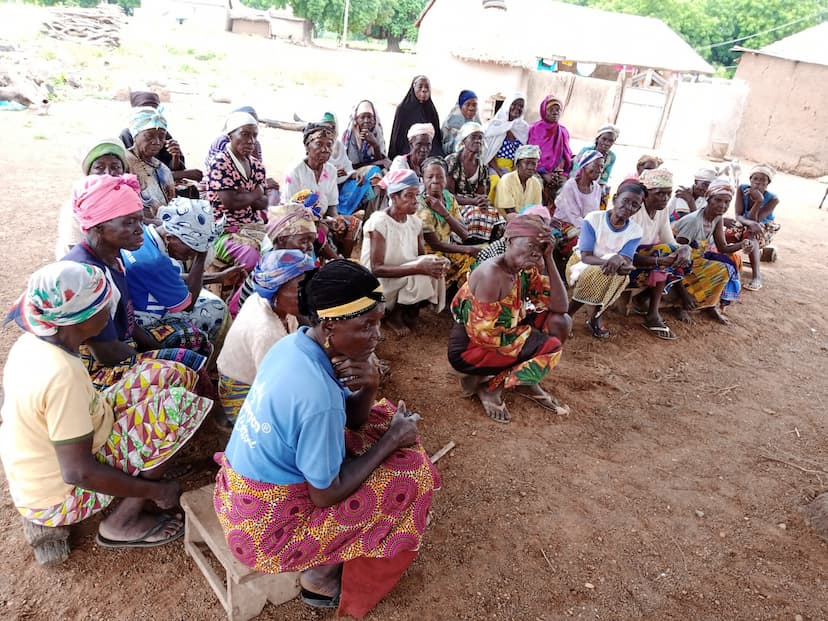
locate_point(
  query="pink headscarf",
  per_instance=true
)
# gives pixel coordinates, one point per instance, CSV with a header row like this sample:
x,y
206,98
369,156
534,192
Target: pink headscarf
x,y
553,140
100,198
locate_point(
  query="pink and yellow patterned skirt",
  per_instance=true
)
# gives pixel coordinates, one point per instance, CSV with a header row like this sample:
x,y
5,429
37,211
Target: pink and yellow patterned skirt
x,y
277,528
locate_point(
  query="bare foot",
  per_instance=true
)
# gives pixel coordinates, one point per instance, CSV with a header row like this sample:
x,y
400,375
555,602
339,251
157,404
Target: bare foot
x,y
470,383
397,326
683,315
719,316
493,405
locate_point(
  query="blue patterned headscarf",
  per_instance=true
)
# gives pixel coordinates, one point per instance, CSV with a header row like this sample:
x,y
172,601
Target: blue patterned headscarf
x,y
587,159
276,268
191,221
147,117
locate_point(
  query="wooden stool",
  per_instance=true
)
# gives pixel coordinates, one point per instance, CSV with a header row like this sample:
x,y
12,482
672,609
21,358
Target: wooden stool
x,y
50,545
246,591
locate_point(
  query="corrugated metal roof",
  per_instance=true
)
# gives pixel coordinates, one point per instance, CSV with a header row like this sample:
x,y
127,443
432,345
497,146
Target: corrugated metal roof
x,y
809,46
532,29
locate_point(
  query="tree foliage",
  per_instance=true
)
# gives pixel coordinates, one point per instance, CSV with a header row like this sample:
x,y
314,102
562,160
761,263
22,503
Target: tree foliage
x,y
710,25
378,19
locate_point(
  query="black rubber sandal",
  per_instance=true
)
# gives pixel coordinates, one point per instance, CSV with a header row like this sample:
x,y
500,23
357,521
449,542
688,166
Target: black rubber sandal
x,y
318,601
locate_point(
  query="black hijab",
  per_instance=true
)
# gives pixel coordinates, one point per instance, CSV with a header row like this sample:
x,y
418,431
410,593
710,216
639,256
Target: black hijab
x,y
409,112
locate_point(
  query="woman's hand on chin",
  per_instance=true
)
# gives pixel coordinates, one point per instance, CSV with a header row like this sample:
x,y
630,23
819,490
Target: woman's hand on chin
x,y
356,374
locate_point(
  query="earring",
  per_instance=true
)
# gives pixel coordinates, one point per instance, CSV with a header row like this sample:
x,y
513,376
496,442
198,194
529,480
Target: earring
x,y
327,344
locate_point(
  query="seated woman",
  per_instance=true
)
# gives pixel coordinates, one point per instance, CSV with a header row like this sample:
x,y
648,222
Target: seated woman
x,y
109,212
355,187
604,139
163,297
149,129
688,200
291,226
599,267
420,137
659,261
714,281
468,180
171,154
364,139
443,231
266,316
511,322
394,250
553,140
504,135
236,189
316,174
68,451
521,187
578,197
464,111
105,157
755,218
316,473
415,108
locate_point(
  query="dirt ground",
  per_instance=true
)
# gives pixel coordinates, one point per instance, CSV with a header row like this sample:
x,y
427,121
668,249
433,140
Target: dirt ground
x,y
660,497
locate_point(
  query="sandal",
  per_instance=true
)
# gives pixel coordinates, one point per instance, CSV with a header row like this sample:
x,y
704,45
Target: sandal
x,y
662,332
752,285
547,402
497,412
597,331
141,542
318,601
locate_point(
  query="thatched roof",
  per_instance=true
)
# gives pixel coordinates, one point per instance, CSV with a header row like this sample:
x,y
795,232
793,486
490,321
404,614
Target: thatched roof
x,y
533,29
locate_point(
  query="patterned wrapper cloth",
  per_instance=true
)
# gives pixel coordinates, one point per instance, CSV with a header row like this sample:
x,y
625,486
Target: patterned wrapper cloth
x,y
277,528
594,287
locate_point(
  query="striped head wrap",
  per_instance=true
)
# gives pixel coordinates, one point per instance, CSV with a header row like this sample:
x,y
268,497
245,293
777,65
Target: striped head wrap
x,y
609,128
720,187
107,146
290,219
765,169
277,267
526,225
147,117
191,221
65,293
657,179
527,152
100,198
587,159
397,180
340,290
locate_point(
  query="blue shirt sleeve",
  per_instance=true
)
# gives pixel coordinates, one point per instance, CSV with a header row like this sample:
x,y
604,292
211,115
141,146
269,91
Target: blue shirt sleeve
x,y
629,248
586,241
156,276
321,448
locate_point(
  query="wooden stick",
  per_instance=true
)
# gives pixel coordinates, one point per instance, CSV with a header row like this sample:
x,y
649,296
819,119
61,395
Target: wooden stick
x,y
442,452
548,562
294,127
816,473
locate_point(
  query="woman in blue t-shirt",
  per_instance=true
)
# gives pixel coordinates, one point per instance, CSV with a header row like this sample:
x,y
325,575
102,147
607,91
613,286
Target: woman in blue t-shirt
x,y
755,208
316,473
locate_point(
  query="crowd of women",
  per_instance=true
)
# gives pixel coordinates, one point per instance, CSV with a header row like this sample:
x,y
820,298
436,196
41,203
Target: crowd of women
x,y
498,222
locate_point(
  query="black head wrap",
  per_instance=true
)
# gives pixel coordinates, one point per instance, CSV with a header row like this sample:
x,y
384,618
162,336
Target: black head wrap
x,y
434,160
312,130
341,289
631,185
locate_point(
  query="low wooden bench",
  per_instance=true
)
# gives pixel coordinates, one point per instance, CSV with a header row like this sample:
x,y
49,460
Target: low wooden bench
x,y
244,592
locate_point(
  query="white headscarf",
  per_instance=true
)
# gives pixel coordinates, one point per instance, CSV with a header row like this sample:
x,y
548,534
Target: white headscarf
x,y
500,125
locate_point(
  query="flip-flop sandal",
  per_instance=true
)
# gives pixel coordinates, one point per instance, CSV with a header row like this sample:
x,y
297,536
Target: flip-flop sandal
x,y
318,601
662,332
597,332
496,409
141,542
547,402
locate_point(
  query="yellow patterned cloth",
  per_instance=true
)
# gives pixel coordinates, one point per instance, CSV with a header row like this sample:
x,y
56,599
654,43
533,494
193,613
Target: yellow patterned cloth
x,y
707,280
232,394
155,415
434,223
595,288
277,528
